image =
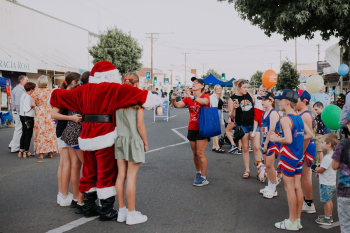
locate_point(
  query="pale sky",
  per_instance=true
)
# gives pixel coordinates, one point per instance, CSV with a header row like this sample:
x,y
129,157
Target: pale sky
x,y
211,31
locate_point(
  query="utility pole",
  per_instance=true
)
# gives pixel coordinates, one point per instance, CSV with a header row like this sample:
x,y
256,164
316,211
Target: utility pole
x,y
296,55
318,52
153,36
280,57
186,64
203,68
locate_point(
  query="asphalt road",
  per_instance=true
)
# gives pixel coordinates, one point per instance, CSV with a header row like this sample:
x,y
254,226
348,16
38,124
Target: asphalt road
x,y
164,191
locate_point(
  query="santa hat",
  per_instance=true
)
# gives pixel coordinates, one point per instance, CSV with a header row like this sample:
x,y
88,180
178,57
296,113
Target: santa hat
x,y
104,71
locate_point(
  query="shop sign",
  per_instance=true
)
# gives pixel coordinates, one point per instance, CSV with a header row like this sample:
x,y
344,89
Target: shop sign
x,y
18,65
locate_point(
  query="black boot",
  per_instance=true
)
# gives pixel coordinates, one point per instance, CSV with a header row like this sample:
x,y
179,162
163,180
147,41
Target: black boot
x,y
107,213
90,208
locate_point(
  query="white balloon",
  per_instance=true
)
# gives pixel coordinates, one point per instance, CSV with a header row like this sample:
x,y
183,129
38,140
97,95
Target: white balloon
x,y
314,84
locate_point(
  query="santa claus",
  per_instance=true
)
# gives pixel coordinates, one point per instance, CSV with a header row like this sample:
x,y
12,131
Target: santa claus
x,y
98,100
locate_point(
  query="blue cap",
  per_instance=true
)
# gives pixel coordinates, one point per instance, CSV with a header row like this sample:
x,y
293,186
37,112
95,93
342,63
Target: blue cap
x,y
348,115
304,95
288,95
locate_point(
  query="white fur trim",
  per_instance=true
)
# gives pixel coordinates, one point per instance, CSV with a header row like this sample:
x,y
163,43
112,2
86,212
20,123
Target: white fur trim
x,y
92,190
103,193
112,76
97,143
152,101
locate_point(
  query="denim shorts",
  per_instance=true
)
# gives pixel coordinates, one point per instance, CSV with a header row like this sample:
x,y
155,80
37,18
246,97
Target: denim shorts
x,y
326,192
248,128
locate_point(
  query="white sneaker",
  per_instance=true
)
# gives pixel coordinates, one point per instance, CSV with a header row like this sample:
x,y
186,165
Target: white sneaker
x,y
308,209
66,200
135,218
270,194
59,197
264,190
122,216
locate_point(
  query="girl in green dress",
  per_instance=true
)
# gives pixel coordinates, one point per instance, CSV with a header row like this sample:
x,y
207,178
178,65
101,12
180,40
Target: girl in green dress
x,y
130,147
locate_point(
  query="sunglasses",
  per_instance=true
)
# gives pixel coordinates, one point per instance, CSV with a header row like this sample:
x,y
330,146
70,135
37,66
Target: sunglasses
x,y
245,81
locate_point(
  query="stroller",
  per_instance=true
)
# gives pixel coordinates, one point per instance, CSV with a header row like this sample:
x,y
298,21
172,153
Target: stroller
x,y
223,140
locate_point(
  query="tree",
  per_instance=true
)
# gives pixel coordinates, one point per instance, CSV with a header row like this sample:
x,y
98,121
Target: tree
x,y
288,78
120,49
256,79
293,19
213,72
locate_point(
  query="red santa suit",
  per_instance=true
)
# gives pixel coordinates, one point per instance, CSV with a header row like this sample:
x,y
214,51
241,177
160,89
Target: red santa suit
x,y
101,96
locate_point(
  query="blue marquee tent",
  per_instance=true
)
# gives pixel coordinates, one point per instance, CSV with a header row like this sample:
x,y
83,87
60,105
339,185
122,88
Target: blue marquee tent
x,y
229,83
4,82
212,80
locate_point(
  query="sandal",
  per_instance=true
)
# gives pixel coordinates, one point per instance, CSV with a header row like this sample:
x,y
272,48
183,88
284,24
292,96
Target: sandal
x,y
246,175
49,155
20,154
40,156
29,155
219,150
213,149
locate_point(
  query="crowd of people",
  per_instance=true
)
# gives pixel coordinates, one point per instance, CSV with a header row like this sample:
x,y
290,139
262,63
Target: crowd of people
x,y
289,139
71,122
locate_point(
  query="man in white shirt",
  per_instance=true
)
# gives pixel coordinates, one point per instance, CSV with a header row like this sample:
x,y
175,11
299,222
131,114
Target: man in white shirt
x,y
15,106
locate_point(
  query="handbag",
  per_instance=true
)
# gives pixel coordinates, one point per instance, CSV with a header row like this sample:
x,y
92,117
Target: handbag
x,y
29,124
208,122
239,133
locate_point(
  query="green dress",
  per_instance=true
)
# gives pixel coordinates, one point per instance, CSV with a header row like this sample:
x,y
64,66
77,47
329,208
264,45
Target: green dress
x,y
129,144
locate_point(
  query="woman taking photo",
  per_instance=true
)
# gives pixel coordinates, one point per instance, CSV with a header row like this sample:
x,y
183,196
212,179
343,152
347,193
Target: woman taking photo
x,y
216,101
26,116
241,108
198,143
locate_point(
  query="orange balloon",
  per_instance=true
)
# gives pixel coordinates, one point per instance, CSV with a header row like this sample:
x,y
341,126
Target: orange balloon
x,y
269,78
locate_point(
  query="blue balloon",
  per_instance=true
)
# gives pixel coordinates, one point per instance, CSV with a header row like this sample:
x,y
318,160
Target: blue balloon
x,y
343,69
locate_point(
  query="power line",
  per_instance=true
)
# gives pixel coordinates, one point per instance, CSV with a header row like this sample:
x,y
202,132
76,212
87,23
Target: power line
x,y
217,50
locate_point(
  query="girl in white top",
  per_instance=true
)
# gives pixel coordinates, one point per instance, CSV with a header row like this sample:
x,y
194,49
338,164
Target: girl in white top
x,y
26,115
258,109
216,101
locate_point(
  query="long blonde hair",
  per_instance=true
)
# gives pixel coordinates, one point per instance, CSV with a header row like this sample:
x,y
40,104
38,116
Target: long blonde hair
x,y
221,95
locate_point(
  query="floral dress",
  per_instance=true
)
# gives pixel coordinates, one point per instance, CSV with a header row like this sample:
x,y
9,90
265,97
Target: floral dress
x,y
45,140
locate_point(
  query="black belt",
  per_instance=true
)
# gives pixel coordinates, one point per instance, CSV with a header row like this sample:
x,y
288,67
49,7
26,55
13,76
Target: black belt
x,y
98,118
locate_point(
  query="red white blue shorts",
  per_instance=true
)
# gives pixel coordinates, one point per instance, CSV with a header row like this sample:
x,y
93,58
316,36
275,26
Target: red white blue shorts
x,y
310,153
290,164
273,147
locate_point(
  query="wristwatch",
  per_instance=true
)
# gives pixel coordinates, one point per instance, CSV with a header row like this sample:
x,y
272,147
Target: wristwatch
x,y
193,98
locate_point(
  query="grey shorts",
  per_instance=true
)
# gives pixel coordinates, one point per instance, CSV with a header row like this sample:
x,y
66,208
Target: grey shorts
x,y
344,213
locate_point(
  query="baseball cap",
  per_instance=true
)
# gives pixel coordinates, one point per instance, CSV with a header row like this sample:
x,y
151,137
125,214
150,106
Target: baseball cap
x,y
304,95
266,96
288,95
198,79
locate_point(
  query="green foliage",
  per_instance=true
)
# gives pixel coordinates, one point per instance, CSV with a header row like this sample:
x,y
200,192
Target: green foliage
x,y
120,49
288,78
213,72
256,79
297,18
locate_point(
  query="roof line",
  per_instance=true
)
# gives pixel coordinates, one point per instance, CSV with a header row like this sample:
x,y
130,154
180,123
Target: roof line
x,y
90,32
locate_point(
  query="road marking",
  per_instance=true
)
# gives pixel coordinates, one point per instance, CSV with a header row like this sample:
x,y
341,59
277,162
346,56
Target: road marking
x,y
179,134
83,220
170,117
71,225
335,224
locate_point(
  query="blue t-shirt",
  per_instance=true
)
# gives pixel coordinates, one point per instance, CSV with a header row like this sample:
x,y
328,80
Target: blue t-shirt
x,y
342,154
322,97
